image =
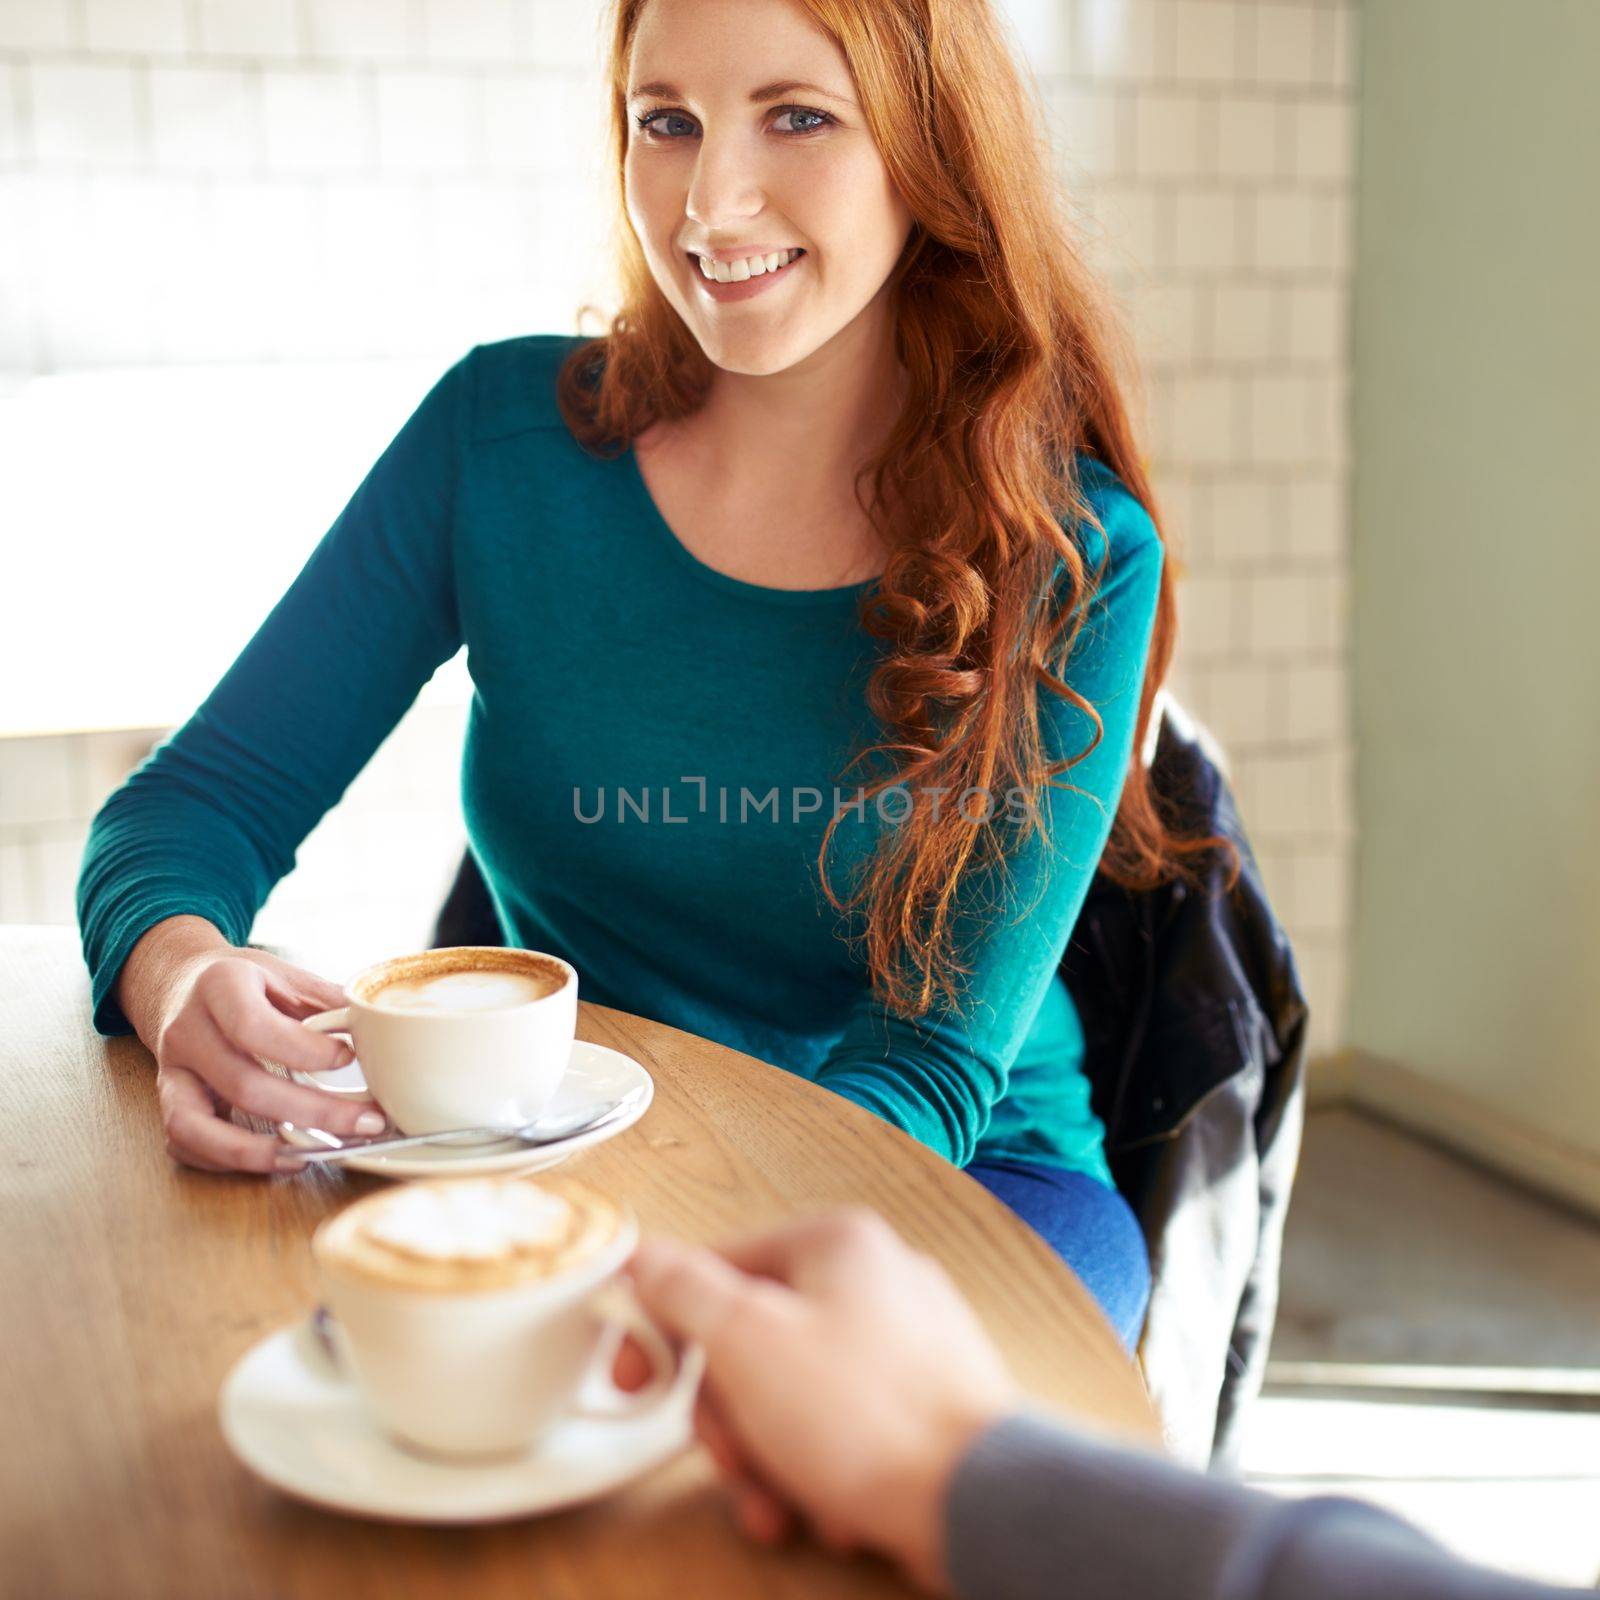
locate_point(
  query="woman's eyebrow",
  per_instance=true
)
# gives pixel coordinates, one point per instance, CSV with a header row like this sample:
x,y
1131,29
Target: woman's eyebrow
x,y
767,91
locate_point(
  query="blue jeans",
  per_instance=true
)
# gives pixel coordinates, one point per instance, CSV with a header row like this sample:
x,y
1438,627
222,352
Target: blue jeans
x,y
1092,1228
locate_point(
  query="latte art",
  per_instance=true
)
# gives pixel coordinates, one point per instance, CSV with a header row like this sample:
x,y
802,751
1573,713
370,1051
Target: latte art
x,y
469,1233
468,990
471,1222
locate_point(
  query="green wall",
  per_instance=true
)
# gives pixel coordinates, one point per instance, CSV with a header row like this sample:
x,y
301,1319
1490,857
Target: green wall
x,y
1477,553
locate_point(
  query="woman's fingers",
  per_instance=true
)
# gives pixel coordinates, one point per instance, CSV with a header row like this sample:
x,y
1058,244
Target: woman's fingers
x,y
199,1137
243,1080
207,1054
252,1023
303,994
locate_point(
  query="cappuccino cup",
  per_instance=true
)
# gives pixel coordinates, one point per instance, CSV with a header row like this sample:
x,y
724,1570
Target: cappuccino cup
x,y
475,1313
467,1036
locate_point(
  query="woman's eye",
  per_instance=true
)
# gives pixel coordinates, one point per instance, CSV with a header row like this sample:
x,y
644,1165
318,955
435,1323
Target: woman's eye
x,y
810,122
800,111
646,122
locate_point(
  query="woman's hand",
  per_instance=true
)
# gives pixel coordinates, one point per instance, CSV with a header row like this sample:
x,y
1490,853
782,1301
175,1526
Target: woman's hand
x,y
218,1010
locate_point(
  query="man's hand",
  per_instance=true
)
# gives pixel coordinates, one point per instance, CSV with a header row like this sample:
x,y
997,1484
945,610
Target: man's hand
x,y
845,1378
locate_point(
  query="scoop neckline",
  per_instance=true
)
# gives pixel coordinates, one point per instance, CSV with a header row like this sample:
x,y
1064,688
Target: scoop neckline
x,y
687,559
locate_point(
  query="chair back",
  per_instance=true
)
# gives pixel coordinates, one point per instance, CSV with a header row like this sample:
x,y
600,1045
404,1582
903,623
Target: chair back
x,y
1195,1025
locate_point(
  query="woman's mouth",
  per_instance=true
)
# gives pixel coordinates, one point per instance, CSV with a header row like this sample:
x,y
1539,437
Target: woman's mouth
x,y
752,283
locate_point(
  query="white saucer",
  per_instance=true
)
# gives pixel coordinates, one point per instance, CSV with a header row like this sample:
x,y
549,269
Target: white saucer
x,y
596,1076
293,1419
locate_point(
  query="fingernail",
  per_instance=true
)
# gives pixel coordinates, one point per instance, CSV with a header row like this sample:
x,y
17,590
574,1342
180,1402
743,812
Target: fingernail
x,y
289,1164
371,1122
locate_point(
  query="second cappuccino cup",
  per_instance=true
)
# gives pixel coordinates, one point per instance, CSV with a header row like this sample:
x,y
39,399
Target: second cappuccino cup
x,y
467,1036
469,1341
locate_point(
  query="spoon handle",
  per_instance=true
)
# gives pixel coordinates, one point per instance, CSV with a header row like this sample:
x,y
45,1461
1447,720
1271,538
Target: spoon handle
x,y
528,1136
400,1142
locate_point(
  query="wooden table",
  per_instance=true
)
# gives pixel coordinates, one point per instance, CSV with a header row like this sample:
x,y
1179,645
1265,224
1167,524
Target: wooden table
x,y
130,1285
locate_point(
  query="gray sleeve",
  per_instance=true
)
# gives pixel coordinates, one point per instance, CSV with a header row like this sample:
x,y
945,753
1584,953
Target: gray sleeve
x,y
1035,1510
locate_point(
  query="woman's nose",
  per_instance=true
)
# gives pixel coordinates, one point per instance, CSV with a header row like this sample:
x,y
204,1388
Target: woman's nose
x,y
726,186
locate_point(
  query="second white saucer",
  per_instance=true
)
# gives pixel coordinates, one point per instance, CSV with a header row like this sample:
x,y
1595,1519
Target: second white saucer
x,y
596,1076
295,1420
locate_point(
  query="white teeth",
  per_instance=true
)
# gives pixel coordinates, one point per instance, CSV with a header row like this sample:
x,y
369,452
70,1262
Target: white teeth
x,y
749,267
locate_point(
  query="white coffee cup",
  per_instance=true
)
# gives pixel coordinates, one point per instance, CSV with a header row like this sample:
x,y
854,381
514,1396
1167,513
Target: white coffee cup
x,y
439,1068
484,1372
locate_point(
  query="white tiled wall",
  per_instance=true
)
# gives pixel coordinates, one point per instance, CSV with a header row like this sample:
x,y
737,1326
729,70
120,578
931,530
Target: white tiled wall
x,y
1211,145
344,904
289,179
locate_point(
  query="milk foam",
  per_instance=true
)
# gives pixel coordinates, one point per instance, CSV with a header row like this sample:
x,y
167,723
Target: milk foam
x,y
483,989
466,1234
472,1221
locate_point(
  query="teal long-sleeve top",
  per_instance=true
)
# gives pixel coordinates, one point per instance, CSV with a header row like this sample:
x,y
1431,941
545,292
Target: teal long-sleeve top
x,y
653,749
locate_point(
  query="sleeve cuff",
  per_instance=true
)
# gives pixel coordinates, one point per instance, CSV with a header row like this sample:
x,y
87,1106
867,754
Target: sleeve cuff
x,y
1035,1508
867,1090
105,967
1038,1509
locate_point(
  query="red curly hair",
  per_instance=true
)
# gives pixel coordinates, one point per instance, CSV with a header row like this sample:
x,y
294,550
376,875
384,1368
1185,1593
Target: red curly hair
x,y
1013,351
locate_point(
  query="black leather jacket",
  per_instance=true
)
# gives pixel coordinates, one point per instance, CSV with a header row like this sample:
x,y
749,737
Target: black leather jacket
x,y
1195,1023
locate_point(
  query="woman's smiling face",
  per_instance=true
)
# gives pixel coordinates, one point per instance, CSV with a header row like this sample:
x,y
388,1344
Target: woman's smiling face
x,y
712,171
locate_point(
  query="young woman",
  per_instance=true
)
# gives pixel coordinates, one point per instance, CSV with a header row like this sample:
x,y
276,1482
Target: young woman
x,y
788,602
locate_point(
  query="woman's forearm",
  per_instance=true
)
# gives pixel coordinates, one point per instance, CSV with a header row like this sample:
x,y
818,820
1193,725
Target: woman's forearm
x,y
154,964
211,820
